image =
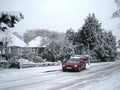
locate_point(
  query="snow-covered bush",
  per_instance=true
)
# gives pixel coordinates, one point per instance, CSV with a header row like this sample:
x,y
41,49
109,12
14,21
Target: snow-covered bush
x,y
27,54
21,63
37,59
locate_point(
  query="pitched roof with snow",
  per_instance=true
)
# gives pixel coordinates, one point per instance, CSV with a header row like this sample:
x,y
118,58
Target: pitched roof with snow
x,y
15,41
35,42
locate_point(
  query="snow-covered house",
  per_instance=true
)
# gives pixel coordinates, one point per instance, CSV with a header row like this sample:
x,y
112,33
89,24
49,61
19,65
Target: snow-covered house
x,y
36,46
15,46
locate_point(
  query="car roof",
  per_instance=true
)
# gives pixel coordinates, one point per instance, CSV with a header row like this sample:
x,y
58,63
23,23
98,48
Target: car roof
x,y
76,57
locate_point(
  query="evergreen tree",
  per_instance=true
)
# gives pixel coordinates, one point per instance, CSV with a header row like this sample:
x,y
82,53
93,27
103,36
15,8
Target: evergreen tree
x,y
87,36
79,49
101,50
92,40
118,43
69,38
70,34
111,45
106,48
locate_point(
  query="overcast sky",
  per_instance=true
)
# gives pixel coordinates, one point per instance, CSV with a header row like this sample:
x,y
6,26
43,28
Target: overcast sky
x,y
60,15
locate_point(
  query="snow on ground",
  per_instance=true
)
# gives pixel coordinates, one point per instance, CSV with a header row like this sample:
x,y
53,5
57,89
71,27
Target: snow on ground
x,y
97,76
13,72
109,83
6,74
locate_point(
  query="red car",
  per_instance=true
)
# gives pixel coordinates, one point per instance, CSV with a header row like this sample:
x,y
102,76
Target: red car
x,y
74,63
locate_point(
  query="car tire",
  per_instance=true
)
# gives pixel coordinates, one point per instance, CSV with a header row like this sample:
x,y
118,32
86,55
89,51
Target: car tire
x,y
84,67
63,70
79,69
18,66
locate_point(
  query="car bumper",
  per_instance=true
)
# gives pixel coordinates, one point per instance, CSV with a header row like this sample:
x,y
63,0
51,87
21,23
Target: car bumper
x,y
70,68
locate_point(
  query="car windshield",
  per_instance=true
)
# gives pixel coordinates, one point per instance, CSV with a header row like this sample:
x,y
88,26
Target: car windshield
x,y
74,60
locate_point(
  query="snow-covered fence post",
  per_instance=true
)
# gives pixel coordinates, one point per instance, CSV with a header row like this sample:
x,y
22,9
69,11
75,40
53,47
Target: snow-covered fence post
x,y
1,47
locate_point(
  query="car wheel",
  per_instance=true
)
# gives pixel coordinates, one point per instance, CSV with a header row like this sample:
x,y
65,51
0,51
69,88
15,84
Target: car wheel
x,y
18,66
63,70
84,67
79,69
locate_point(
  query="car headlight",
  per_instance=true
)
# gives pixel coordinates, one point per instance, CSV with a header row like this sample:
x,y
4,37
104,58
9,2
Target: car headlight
x,y
75,65
63,65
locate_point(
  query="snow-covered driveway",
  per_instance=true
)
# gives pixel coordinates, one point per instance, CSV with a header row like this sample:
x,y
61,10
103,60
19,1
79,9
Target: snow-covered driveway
x,y
96,77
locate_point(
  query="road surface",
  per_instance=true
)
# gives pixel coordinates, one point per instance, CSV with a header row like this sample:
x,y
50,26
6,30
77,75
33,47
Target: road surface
x,y
97,77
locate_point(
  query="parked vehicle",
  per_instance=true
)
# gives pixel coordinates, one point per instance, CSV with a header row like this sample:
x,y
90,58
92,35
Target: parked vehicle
x,y
14,64
21,63
74,63
4,63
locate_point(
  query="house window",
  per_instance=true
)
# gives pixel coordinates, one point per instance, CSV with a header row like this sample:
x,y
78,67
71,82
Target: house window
x,y
33,50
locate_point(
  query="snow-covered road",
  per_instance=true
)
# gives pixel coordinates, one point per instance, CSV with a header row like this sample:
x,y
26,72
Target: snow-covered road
x,y
96,77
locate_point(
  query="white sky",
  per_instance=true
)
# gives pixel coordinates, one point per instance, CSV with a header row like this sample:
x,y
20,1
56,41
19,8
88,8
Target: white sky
x,y
60,15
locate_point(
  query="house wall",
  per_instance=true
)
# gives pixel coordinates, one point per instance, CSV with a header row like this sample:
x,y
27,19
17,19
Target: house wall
x,y
13,51
36,50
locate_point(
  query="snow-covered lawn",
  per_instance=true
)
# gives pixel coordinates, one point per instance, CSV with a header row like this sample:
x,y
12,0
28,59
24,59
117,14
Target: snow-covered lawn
x,y
97,76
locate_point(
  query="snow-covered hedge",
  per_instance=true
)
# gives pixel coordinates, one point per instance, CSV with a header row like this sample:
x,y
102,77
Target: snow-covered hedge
x,y
24,63
46,63
4,63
